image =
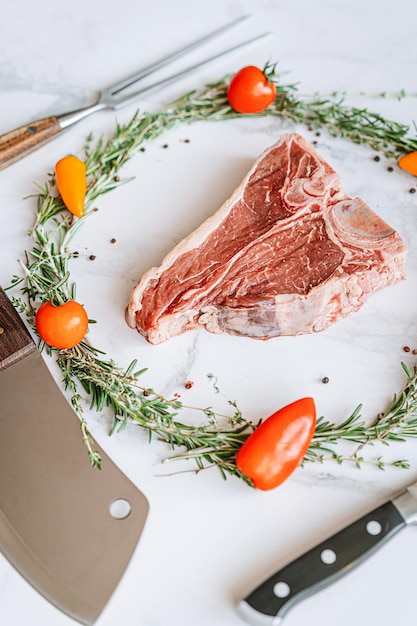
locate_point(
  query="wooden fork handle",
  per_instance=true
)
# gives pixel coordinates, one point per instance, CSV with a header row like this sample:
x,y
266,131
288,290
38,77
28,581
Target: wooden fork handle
x,y
17,143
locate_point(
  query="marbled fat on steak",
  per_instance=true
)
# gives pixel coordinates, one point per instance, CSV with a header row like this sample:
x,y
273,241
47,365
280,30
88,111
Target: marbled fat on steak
x,y
288,253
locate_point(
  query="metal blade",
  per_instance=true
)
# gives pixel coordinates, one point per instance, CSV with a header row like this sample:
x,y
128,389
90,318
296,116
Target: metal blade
x,y
406,504
116,102
56,522
170,58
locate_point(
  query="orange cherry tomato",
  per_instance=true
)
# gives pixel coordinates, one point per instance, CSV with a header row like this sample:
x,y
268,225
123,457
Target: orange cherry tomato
x,y
278,445
408,163
250,90
62,326
71,180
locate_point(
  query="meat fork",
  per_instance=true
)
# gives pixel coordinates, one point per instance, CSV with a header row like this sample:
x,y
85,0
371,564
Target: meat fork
x,y
17,143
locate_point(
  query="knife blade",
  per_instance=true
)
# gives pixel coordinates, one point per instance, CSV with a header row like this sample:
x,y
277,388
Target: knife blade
x,y
68,528
268,603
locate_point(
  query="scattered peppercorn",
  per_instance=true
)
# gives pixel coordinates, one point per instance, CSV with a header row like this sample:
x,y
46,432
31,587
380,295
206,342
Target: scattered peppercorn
x,y
325,380
317,134
75,255
146,392
113,240
189,384
377,158
116,178
314,143
142,149
406,349
165,145
412,190
177,395
92,257
390,168
415,351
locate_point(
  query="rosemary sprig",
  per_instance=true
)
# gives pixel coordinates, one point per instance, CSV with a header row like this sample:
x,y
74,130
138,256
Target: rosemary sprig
x,y
215,442
46,275
359,125
106,158
396,424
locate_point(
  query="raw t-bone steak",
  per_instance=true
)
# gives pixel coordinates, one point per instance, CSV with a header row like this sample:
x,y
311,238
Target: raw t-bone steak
x,y
288,253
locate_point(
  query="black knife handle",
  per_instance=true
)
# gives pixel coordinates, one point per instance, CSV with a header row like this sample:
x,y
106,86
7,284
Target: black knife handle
x,y
15,340
321,566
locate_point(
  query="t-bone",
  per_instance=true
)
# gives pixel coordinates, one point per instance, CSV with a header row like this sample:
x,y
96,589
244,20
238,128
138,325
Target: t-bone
x,y
288,253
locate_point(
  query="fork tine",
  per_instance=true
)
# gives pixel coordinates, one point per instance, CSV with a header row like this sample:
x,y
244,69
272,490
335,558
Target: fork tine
x,y
165,81
149,69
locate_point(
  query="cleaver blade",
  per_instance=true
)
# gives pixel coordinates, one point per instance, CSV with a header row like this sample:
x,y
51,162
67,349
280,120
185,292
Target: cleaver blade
x,y
68,528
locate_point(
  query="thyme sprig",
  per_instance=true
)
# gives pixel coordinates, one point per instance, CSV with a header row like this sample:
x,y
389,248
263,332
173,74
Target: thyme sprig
x,y
88,374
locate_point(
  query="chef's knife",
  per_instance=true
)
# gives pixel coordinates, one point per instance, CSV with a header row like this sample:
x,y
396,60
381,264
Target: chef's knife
x,y
329,560
68,528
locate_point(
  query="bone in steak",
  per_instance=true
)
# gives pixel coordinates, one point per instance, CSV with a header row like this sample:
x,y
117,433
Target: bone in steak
x,y
288,253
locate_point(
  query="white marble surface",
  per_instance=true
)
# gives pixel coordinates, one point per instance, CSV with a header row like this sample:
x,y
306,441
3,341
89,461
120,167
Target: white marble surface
x,y
207,542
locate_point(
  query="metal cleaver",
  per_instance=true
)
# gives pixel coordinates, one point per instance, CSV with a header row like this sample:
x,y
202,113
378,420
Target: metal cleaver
x,y
68,528
328,561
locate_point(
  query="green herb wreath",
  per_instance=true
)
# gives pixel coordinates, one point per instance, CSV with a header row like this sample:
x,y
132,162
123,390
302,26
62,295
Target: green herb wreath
x,y
88,374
